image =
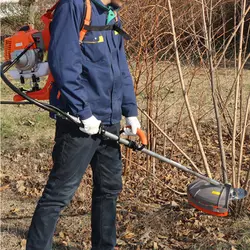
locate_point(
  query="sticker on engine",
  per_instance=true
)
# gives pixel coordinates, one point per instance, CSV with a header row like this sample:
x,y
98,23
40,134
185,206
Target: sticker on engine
x,y
215,192
19,44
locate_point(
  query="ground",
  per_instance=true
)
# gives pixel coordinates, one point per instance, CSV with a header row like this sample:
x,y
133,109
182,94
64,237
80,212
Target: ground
x,y
150,215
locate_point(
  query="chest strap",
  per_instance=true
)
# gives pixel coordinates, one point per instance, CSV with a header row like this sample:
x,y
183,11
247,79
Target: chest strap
x,y
114,27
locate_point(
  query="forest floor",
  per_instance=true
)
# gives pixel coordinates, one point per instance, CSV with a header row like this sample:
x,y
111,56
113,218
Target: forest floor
x,y
149,215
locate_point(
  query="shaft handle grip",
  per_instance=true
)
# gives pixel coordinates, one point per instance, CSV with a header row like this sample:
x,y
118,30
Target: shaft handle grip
x,y
142,136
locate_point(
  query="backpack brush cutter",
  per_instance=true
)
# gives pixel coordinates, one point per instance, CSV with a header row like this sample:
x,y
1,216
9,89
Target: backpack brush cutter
x,y
205,194
25,50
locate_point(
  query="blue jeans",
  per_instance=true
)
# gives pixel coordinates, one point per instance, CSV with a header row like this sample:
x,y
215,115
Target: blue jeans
x,y
72,153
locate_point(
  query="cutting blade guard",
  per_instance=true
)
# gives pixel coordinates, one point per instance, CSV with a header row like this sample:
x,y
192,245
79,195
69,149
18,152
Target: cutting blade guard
x,y
209,198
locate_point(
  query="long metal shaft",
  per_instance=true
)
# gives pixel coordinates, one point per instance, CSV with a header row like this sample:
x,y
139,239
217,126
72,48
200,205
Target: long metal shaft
x,y
162,158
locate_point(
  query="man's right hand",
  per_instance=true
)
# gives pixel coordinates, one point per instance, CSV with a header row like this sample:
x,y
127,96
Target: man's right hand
x,y
91,126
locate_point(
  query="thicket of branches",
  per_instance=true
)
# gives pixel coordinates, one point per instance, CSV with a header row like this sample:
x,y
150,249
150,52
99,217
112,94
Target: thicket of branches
x,y
146,20
173,41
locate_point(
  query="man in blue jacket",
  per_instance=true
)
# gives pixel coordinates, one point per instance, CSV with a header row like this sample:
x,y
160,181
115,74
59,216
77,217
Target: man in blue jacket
x,y
93,83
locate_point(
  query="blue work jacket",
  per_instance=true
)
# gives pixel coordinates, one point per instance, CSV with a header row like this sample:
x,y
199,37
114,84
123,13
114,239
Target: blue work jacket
x,y
93,78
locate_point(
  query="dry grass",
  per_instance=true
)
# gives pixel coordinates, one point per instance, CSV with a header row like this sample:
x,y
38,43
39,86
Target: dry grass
x,y
167,89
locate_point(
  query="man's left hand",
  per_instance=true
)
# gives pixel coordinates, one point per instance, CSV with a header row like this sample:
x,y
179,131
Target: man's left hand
x,y
134,123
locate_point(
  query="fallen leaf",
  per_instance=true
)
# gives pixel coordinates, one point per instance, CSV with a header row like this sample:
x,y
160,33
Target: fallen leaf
x,y
4,187
162,237
220,235
173,204
42,155
120,242
20,186
14,211
155,246
197,223
61,235
129,235
23,244
28,123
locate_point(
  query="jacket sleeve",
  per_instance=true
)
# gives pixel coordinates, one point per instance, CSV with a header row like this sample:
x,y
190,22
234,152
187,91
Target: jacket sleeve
x,y
65,56
129,105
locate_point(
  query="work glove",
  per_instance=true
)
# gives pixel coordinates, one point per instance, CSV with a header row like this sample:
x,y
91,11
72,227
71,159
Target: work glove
x,y
91,125
134,123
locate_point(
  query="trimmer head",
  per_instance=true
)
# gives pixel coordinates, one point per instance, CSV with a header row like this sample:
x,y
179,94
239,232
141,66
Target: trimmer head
x,y
213,199
209,198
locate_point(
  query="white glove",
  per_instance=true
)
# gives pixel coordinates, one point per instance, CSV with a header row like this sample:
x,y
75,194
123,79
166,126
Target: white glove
x,y
91,126
134,123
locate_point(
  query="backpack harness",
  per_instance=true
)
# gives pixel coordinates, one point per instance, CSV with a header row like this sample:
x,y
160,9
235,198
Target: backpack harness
x,y
48,17
44,93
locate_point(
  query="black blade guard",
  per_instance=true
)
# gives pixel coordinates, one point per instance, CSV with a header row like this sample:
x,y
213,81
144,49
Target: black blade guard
x,y
209,198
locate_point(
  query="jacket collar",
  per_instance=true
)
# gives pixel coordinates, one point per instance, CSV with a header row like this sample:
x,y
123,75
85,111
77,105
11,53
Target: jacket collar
x,y
106,7
109,8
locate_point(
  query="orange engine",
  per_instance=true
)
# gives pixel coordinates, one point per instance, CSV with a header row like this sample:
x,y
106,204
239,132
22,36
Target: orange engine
x,y
19,41
30,66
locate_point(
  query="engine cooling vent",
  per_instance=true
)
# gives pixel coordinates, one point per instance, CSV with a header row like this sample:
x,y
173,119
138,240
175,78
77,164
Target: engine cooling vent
x,y
7,49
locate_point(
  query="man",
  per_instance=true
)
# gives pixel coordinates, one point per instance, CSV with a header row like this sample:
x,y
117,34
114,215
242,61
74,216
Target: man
x,y
93,83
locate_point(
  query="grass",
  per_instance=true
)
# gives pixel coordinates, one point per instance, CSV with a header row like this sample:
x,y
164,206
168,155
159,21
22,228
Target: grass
x,y
22,124
200,95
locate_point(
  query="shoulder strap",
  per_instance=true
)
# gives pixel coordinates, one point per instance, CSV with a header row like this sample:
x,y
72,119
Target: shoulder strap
x,y
87,20
48,16
49,12
108,27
